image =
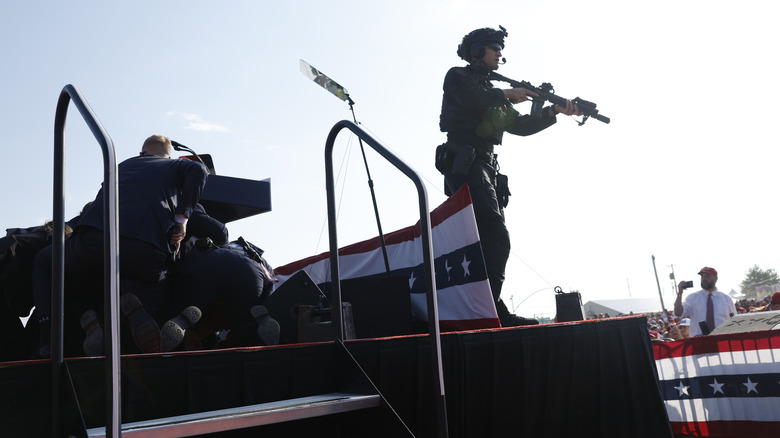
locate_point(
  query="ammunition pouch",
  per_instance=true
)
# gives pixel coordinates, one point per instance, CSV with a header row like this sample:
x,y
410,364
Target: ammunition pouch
x,y
444,158
502,189
455,158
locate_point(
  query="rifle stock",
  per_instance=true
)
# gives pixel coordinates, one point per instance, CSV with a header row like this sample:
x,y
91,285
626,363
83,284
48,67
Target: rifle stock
x,y
546,93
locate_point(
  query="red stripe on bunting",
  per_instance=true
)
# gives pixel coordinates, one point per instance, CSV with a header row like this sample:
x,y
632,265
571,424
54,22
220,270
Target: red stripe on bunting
x,y
455,203
727,429
716,344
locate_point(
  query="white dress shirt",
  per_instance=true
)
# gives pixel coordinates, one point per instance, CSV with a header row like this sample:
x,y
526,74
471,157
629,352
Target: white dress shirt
x,y
695,307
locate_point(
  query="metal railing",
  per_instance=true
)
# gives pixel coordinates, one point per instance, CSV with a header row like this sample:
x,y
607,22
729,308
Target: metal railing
x,y
111,259
427,250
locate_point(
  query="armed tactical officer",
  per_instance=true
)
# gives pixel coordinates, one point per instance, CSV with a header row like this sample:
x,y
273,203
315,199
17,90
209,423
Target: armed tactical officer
x,y
475,116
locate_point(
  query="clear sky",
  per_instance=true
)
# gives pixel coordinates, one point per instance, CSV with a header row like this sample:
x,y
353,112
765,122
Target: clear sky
x,y
686,171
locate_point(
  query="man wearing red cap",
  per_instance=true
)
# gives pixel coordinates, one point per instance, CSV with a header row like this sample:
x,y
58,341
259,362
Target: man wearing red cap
x,y
708,305
775,303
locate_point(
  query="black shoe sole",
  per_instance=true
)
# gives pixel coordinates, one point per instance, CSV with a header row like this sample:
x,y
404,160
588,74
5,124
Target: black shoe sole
x,y
174,330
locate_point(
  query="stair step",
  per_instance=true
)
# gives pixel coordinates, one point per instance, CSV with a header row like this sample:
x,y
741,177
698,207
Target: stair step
x,y
246,416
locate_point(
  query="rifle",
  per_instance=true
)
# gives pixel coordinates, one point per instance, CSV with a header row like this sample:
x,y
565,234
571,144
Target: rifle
x,y
546,92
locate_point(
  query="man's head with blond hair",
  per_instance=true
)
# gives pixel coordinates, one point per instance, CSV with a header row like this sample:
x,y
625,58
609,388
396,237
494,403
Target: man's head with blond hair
x,y
158,145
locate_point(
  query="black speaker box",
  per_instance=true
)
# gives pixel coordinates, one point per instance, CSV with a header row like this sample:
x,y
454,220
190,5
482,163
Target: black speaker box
x,y
381,306
569,306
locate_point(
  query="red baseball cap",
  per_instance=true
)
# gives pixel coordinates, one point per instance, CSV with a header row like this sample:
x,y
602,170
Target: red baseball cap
x,y
708,270
776,298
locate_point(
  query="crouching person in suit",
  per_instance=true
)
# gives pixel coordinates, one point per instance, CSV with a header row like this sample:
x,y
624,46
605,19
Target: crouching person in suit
x,y
156,198
228,284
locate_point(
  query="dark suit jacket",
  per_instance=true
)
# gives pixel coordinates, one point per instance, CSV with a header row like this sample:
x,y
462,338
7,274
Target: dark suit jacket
x,y
151,191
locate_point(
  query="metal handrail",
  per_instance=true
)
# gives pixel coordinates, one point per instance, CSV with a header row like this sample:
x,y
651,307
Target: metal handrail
x,y
427,248
111,258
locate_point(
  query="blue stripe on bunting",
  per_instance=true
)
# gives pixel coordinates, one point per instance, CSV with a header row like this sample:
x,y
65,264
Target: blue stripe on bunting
x,y
462,266
728,385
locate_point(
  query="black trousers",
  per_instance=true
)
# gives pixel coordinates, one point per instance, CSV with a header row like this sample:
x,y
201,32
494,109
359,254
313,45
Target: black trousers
x,y
143,267
493,234
225,283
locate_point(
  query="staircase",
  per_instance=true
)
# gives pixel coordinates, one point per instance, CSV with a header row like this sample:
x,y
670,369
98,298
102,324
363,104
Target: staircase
x,y
246,416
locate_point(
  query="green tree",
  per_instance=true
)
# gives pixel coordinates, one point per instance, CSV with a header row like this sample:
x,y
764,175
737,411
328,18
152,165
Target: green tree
x,y
756,277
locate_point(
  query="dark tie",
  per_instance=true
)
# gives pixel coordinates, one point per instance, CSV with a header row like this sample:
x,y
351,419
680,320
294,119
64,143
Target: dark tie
x,y
710,313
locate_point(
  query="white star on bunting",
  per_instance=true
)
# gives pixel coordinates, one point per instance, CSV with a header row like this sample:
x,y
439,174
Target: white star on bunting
x,y
716,387
465,263
683,389
751,386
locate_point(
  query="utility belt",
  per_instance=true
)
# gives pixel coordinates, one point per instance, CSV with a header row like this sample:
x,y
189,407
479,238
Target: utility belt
x,y
458,158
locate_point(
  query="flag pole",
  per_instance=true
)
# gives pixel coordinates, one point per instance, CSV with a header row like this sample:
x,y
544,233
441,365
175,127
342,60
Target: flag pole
x,y
660,295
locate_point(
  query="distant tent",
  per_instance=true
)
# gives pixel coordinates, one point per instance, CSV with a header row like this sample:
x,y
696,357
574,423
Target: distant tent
x,y
626,306
736,295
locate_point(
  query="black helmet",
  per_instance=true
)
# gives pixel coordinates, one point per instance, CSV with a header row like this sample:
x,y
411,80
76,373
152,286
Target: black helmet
x,y
473,44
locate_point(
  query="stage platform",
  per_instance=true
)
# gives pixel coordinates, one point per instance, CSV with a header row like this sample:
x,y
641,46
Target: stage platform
x,y
591,378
